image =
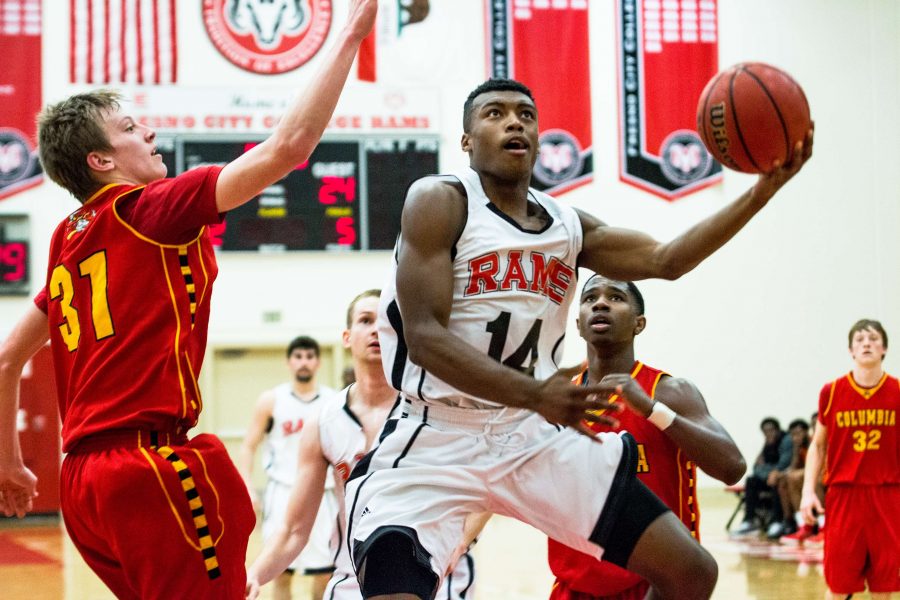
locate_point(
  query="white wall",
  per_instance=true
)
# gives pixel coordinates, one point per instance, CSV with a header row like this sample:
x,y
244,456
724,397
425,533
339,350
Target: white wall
x,y
759,327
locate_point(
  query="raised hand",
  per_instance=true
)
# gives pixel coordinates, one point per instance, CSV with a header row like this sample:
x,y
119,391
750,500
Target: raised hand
x,y
362,17
771,182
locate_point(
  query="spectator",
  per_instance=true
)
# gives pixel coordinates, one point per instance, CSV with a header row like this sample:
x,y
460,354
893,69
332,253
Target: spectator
x,y
789,483
774,458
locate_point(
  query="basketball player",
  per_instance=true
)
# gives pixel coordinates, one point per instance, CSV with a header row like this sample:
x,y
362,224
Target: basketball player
x,y
279,416
338,436
486,269
126,307
857,437
610,315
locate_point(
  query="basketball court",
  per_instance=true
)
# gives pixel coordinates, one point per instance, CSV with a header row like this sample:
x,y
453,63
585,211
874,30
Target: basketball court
x,y
758,327
37,563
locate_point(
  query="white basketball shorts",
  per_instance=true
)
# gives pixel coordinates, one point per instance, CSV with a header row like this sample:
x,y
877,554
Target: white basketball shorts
x,y
436,464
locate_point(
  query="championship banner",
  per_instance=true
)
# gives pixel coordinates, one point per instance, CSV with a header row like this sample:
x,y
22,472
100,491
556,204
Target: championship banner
x,y
545,46
123,41
668,50
20,94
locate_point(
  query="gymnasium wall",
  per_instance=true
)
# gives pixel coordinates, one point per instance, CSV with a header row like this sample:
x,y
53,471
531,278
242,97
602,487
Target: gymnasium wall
x,y
759,327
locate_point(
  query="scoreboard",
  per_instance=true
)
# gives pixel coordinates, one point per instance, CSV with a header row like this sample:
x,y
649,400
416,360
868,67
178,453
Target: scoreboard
x,y
347,196
14,255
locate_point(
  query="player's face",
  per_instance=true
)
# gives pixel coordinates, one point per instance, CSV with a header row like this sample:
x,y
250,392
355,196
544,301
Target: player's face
x,y
362,337
503,135
134,153
303,363
867,348
606,312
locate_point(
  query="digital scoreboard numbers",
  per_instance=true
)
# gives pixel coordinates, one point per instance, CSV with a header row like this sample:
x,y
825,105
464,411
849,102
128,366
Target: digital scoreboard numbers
x,y
348,196
14,256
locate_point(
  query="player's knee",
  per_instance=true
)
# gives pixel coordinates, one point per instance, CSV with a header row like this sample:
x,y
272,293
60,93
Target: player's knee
x,y
393,562
696,576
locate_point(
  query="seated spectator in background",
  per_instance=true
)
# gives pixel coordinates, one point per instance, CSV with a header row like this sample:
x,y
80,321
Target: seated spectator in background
x,y
789,483
810,536
775,457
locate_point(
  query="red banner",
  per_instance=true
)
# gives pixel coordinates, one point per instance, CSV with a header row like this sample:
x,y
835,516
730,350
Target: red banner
x,y
668,50
20,94
545,46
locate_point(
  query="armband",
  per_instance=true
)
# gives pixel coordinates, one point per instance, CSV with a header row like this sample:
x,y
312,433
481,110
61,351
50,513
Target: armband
x,y
661,415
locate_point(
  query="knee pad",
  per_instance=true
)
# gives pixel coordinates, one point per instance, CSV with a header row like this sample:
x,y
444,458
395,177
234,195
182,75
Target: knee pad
x,y
392,561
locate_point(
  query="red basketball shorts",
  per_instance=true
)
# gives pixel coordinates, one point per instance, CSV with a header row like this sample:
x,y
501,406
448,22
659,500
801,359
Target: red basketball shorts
x,y
862,538
165,521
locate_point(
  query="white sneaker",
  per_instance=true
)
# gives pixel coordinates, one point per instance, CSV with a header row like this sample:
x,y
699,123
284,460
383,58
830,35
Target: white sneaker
x,y
746,528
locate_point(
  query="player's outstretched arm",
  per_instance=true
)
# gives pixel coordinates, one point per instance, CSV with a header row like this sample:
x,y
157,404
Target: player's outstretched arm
x,y
630,255
256,431
17,483
810,506
291,537
693,429
302,125
433,218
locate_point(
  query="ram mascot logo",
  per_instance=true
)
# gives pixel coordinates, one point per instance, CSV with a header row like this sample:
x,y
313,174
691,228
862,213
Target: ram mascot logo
x,y
267,36
268,20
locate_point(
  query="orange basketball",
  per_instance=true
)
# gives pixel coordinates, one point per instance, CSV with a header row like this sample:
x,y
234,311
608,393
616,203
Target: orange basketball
x,y
751,115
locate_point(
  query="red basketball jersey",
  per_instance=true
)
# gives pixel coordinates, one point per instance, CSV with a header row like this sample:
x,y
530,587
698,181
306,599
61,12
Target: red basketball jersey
x,y
128,315
662,467
863,436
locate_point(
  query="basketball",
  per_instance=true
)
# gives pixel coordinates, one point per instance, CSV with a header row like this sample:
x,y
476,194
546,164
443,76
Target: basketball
x,y
751,115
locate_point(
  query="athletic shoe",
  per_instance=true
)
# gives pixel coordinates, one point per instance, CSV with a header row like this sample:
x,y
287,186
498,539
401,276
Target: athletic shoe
x,y
798,537
775,530
746,528
816,541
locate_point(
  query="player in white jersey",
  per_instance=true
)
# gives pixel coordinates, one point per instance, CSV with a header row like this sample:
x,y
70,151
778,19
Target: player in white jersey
x,y
337,437
278,417
471,326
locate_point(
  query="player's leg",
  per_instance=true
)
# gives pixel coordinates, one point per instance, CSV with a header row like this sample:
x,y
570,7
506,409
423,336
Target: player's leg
x,y
671,560
883,534
607,512
195,511
81,527
406,505
846,554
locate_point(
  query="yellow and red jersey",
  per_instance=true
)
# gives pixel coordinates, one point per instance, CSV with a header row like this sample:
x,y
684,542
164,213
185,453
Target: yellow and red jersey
x,y
128,313
863,435
662,467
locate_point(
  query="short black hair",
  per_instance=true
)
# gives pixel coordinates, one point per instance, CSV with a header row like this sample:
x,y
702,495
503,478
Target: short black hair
x,y
799,423
632,289
771,420
303,342
492,85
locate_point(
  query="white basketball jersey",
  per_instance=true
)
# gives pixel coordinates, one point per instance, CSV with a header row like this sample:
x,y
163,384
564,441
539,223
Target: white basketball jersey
x,y
343,444
511,294
289,413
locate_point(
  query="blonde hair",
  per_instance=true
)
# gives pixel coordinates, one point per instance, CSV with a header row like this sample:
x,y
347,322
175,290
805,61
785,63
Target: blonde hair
x,y
374,293
70,130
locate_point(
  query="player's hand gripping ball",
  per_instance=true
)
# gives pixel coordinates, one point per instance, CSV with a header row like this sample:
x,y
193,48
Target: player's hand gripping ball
x,y
751,116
